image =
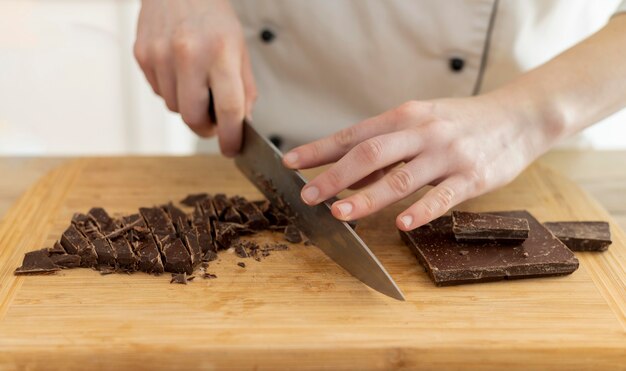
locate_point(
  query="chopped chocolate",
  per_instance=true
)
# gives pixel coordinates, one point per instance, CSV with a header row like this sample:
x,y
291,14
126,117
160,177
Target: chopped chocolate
x,y
105,269
56,249
226,233
125,258
207,209
582,236
221,203
87,226
180,278
252,215
205,265
174,254
190,239
75,243
177,258
202,222
193,199
208,276
437,250
231,215
157,220
66,260
144,245
178,218
209,256
241,264
37,262
292,234
240,250
481,227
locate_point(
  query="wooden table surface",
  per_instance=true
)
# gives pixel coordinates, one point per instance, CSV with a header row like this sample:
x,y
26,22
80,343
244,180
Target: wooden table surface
x,y
601,173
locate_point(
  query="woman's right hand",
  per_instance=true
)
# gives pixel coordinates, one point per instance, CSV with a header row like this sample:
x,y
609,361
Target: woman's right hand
x,y
185,47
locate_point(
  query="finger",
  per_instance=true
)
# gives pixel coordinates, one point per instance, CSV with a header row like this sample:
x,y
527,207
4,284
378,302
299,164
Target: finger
x,y
193,94
435,203
365,158
143,59
373,177
333,147
228,91
399,183
166,80
249,84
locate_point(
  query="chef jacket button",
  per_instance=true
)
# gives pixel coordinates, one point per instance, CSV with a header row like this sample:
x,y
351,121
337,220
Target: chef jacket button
x,y
276,140
267,35
457,64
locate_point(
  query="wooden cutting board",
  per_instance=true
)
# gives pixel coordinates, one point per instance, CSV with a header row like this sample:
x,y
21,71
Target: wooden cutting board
x,y
297,309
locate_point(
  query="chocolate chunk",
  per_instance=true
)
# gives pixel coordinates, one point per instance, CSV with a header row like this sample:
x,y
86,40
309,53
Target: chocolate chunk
x,y
180,278
125,258
481,227
157,220
252,216
231,215
438,251
208,276
178,218
202,222
174,254
207,209
177,257
193,199
87,226
221,203
144,245
582,236
241,252
66,260
241,264
56,249
190,239
226,233
292,234
37,262
75,243
209,256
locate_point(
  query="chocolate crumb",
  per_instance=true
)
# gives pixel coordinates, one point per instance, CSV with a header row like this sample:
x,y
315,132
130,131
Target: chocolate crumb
x,y
209,276
180,278
241,264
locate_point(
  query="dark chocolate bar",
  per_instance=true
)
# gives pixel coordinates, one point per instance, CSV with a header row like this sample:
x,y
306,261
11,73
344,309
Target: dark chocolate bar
x,y
65,261
582,236
482,227
452,262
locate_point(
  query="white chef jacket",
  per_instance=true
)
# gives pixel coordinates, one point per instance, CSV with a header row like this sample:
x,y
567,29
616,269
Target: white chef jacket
x,y
322,65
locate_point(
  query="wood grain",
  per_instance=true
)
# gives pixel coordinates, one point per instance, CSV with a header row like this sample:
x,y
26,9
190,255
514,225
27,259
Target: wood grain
x,y
297,308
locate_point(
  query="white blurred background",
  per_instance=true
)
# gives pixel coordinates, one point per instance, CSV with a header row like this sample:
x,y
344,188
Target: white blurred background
x,y
69,85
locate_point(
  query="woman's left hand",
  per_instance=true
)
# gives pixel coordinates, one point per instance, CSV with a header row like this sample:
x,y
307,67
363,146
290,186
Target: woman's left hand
x,y
464,147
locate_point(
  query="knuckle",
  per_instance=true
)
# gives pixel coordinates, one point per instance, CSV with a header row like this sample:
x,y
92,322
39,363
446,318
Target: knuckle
x,y
371,150
230,109
444,197
159,52
140,53
369,203
185,47
409,109
334,178
345,138
478,178
401,181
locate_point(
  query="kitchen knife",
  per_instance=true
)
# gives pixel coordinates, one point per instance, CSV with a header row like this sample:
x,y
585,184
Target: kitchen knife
x,y
260,161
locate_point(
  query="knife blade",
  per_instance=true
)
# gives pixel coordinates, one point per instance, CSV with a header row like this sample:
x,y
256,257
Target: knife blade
x,y
260,161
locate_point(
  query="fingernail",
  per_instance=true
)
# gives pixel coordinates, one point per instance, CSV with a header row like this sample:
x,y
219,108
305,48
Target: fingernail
x,y
310,194
407,220
291,158
345,208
